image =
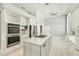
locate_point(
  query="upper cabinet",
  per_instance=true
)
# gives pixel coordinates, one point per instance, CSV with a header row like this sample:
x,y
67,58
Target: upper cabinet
x,y
12,14
32,21
24,20
11,17
27,20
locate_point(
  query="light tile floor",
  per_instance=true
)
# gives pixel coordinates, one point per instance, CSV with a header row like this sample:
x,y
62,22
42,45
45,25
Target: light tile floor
x,y
58,46
18,52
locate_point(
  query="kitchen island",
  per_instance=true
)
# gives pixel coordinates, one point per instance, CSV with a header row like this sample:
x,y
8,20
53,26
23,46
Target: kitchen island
x,y
37,46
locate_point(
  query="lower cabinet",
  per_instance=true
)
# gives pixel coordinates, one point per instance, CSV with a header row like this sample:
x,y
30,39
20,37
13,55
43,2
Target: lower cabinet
x,y
71,49
37,50
44,49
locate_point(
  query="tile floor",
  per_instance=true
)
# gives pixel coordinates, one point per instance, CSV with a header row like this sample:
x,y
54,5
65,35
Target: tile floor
x,y
58,46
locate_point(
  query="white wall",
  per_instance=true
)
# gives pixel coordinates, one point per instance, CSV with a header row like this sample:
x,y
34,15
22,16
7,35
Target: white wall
x,y
32,21
40,17
73,20
73,25
56,25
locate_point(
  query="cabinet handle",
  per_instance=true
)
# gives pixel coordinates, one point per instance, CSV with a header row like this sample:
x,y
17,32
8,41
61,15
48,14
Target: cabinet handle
x,y
44,45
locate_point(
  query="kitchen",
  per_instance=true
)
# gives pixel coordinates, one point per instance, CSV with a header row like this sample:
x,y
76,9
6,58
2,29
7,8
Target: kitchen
x,y
25,33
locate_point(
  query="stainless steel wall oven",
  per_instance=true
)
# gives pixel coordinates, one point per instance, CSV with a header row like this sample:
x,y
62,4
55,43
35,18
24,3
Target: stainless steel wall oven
x,y
13,36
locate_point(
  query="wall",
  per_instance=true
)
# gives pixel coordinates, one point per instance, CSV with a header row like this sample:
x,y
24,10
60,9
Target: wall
x,y
73,20
40,19
56,25
32,21
73,25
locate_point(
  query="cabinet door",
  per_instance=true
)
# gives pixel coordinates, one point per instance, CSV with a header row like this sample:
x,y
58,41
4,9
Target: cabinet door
x,y
44,49
76,52
27,49
77,41
49,45
67,47
35,51
70,48
24,21
69,51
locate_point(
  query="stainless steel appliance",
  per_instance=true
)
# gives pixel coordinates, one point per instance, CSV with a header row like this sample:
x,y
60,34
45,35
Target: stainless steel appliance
x,y
13,28
13,36
30,31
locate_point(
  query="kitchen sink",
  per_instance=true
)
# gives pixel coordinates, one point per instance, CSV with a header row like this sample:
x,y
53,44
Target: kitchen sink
x,y
41,36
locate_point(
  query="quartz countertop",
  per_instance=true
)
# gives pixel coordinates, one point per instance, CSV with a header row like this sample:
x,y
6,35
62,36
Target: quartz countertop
x,y
37,41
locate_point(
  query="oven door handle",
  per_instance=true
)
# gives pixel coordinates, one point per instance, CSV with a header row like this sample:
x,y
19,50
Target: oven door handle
x,y
12,35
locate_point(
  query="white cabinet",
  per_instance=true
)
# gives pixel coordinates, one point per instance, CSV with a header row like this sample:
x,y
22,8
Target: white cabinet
x,y
31,49
44,49
49,45
71,49
27,49
34,50
32,20
10,17
24,21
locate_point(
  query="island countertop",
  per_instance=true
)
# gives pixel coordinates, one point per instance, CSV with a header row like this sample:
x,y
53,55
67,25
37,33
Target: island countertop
x,y
36,40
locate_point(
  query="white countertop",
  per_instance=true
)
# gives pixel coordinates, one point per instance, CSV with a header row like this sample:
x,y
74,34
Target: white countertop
x,y
37,41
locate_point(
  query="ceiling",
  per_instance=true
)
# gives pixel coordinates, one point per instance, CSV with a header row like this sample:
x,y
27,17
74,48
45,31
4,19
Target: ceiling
x,y
47,8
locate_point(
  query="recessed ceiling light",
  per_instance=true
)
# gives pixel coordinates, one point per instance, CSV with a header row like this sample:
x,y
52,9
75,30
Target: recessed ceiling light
x,y
46,3
53,13
23,8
